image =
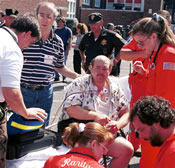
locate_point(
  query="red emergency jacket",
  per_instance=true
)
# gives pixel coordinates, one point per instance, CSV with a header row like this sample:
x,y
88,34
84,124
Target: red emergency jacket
x,y
166,156
77,157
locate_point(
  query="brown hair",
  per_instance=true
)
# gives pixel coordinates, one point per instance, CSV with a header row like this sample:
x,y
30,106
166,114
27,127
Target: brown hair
x,y
48,4
166,14
83,28
92,131
157,24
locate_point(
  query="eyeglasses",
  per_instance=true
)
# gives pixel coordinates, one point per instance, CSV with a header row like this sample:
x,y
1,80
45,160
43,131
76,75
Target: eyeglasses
x,y
141,43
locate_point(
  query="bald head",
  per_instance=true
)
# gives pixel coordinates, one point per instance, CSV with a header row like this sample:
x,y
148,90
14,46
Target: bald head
x,y
101,58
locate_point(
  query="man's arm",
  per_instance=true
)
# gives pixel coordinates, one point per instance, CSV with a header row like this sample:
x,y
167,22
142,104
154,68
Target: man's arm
x,y
83,58
123,118
65,71
69,45
114,126
14,99
79,113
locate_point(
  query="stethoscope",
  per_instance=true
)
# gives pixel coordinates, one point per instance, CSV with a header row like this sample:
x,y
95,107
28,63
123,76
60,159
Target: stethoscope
x,y
153,65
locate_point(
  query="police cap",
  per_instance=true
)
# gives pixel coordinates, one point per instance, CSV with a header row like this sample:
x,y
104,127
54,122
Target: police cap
x,y
11,12
94,18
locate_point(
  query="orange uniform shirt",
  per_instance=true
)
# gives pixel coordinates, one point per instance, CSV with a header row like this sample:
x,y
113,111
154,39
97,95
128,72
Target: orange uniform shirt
x,y
166,156
160,81
137,87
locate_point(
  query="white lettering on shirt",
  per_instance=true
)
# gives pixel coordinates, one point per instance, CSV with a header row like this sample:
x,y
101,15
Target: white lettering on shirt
x,y
69,162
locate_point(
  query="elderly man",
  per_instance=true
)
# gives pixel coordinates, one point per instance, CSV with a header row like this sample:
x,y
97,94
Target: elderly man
x,y
154,120
22,32
96,98
99,41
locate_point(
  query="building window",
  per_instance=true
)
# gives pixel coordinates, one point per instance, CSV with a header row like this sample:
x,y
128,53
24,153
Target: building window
x,y
86,2
133,5
71,8
97,3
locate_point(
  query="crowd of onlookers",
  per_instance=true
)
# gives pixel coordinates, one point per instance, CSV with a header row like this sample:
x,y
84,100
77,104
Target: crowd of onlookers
x,y
95,109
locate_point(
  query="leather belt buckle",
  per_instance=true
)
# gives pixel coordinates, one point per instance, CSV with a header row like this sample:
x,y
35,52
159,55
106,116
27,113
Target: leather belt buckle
x,y
34,88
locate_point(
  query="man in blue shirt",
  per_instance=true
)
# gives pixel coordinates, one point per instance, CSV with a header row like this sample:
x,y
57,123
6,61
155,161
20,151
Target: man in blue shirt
x,y
65,33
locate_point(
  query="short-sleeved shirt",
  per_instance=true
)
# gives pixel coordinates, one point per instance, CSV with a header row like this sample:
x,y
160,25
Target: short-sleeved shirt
x,y
132,44
64,34
40,60
11,61
82,92
104,45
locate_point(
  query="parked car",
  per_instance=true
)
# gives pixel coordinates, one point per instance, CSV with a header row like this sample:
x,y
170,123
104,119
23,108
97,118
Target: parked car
x,y
71,23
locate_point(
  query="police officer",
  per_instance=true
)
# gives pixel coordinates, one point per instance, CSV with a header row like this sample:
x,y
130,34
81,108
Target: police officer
x,y
10,16
99,41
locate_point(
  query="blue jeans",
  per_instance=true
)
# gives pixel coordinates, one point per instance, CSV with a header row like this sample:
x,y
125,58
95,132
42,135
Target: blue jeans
x,y
42,99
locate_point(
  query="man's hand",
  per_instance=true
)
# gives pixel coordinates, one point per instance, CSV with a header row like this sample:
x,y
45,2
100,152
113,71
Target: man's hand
x,y
112,126
102,119
67,53
36,113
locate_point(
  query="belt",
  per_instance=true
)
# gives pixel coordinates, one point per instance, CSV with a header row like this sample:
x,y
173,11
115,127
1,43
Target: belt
x,y
34,88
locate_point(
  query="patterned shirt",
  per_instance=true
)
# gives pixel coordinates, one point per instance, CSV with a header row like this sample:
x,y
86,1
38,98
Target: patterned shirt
x,y
40,59
82,92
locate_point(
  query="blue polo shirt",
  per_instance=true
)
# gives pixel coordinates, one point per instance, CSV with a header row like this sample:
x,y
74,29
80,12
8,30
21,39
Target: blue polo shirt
x,y
64,34
40,59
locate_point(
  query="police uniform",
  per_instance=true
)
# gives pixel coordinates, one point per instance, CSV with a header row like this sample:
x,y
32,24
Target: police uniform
x,y
105,43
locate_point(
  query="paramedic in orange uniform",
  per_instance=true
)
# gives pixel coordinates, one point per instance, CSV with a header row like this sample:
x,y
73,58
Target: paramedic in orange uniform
x,y
155,37
132,51
154,119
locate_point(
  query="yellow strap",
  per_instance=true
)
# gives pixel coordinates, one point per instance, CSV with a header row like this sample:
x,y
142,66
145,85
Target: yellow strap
x,y
24,127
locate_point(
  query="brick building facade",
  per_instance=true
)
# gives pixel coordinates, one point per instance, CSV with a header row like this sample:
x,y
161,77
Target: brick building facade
x,y
118,17
24,6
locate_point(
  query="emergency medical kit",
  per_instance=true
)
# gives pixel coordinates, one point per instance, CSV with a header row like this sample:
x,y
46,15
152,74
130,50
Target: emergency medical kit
x,y
23,143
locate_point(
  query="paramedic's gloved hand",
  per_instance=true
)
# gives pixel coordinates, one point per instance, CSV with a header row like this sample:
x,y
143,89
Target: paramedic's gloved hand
x,y
36,113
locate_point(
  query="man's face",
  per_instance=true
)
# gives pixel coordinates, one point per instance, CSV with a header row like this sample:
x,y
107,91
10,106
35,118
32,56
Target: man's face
x,y
8,20
148,133
96,27
60,24
46,18
25,39
100,71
